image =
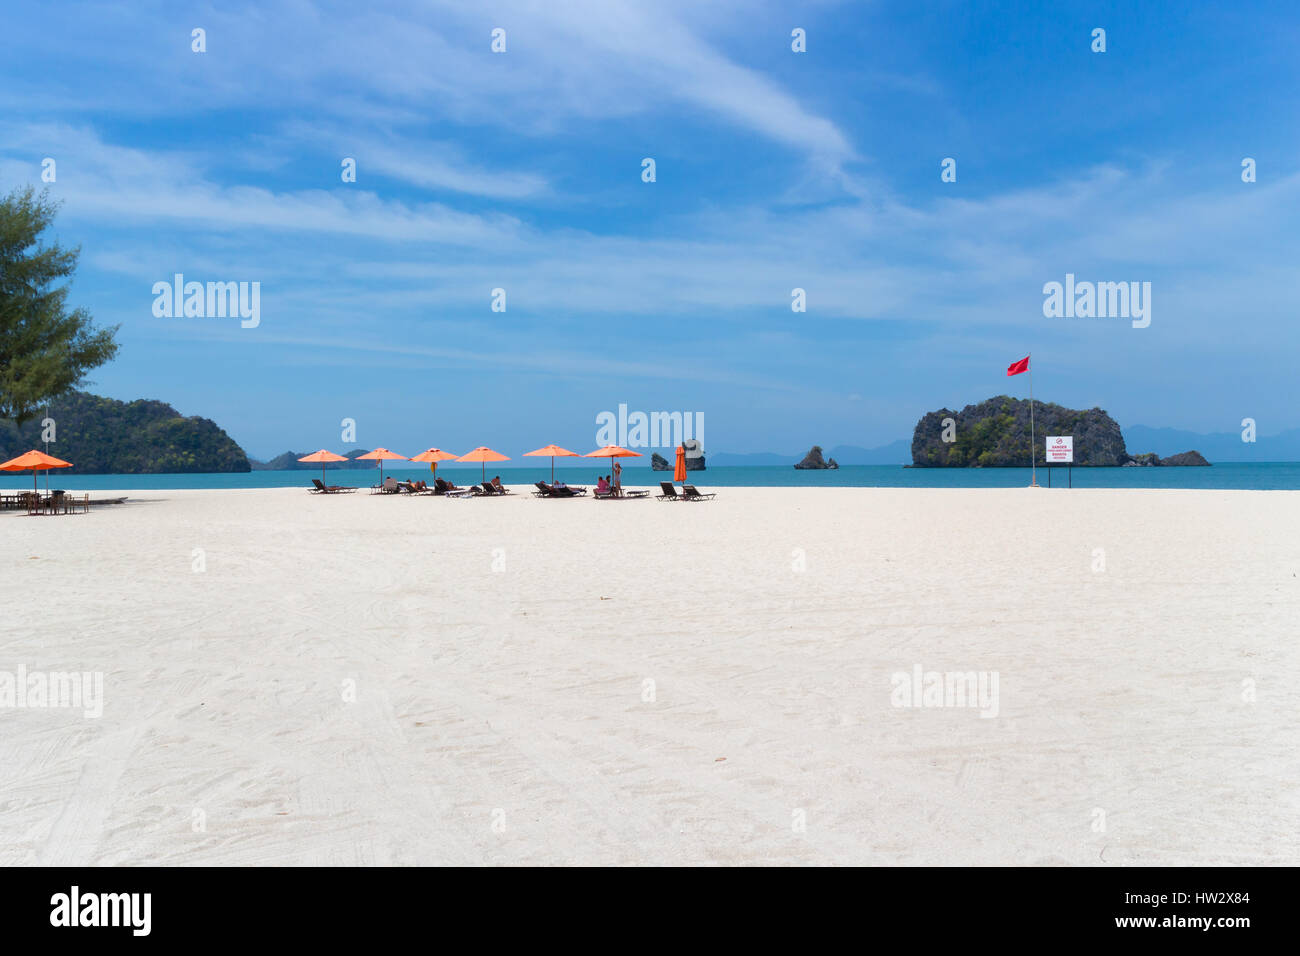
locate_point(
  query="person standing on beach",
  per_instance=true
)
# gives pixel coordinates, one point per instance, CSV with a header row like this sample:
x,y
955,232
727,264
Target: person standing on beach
x,y
618,478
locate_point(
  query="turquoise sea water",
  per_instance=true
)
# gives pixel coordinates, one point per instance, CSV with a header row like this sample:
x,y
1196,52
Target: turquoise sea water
x,y
1253,475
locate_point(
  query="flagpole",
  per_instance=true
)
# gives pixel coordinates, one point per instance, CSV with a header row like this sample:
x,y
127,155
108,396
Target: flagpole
x,y
1033,459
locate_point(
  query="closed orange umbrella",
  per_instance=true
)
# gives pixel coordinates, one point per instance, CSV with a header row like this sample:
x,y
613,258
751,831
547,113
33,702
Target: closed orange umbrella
x,y
553,451
482,454
611,452
322,456
679,470
36,461
382,455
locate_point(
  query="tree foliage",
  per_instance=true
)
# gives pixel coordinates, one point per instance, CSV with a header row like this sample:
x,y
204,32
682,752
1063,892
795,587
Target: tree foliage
x,y
104,436
45,349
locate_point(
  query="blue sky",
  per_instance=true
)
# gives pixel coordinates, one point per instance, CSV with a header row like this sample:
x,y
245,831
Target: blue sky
x,y
775,170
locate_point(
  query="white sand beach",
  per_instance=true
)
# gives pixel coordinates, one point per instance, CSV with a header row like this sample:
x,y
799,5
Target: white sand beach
x,y
500,653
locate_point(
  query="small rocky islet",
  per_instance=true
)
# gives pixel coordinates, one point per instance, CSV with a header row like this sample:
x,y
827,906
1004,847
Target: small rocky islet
x,y
996,434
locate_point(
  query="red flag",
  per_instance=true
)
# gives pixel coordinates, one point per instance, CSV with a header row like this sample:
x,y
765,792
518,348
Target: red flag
x,y
1015,368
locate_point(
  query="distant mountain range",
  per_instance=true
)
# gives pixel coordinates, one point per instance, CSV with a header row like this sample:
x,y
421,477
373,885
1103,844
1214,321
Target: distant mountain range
x,y
288,461
1216,446
895,453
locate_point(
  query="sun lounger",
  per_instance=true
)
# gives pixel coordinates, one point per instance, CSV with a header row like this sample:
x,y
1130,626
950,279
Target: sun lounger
x,y
449,490
324,489
690,494
624,494
557,491
669,492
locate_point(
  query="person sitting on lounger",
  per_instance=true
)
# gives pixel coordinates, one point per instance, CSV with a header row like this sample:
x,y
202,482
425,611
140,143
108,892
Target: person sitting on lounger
x,y
602,486
559,484
390,484
496,484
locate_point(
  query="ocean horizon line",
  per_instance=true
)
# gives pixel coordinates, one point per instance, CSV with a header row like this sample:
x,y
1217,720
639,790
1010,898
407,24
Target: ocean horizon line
x,y
1261,476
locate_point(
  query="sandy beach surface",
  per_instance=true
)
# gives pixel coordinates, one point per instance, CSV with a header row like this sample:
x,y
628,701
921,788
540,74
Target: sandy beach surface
x,y
300,679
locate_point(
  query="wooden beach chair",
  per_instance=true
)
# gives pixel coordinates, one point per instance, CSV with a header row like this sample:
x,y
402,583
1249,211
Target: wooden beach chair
x,y
669,492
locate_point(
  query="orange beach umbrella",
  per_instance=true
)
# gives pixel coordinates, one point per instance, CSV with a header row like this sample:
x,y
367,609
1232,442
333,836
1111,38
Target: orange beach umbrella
x,y
322,456
611,452
36,461
679,469
482,454
382,455
433,456
553,451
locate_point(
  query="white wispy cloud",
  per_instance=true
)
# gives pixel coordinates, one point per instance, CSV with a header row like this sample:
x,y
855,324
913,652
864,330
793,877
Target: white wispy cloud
x,y
956,261
578,60
125,185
